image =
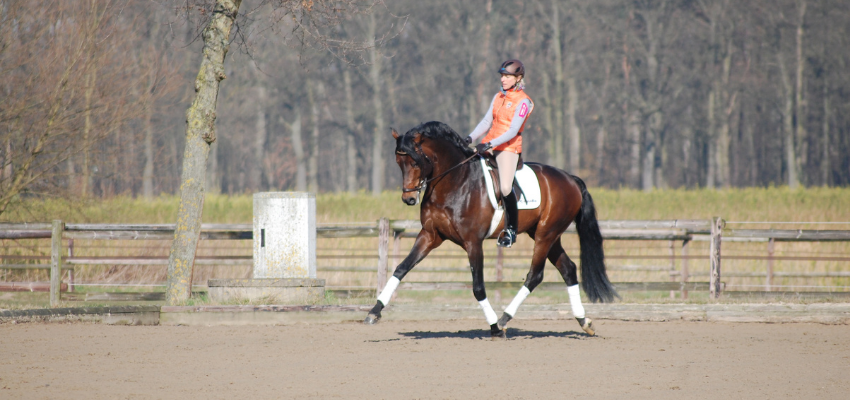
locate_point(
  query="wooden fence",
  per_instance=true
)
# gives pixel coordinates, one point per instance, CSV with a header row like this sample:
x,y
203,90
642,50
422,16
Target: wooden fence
x,y
387,231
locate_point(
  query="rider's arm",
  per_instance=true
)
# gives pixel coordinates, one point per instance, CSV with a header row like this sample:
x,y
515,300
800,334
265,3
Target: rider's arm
x,y
484,126
521,113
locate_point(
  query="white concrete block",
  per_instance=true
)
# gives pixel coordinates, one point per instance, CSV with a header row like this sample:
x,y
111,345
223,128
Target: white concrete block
x,y
284,235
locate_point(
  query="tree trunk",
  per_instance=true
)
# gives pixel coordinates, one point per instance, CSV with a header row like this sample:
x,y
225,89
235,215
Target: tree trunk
x,y
378,135
572,124
633,135
200,133
261,134
557,151
313,148
724,111
351,135
800,102
825,167
70,167
91,79
710,176
648,158
788,123
298,149
687,150
147,172
659,163
548,105
749,141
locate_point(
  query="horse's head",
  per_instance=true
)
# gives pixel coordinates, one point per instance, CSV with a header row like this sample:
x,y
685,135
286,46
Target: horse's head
x,y
415,165
427,149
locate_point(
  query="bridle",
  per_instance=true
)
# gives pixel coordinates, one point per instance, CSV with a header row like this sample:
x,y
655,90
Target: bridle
x,y
423,182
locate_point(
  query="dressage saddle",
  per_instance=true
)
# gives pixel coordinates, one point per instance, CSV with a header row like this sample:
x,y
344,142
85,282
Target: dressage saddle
x,y
494,173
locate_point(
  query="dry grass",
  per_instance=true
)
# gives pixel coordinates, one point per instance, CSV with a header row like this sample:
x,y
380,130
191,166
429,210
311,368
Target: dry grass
x,y
774,205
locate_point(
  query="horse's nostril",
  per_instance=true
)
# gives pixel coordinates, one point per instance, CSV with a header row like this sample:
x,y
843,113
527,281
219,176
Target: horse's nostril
x,y
410,201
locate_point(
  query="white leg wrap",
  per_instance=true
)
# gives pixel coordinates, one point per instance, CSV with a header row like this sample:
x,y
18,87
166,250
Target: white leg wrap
x,y
387,293
517,301
489,314
575,301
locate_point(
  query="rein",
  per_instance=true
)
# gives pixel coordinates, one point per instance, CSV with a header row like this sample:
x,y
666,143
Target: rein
x,y
423,183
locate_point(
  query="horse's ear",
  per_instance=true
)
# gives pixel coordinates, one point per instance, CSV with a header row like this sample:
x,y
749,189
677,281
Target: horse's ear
x,y
395,134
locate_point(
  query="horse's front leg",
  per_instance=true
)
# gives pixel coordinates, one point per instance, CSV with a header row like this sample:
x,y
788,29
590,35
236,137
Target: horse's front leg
x,y
476,265
425,242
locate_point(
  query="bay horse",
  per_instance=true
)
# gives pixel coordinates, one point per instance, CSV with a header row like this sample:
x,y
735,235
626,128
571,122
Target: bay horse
x,y
435,164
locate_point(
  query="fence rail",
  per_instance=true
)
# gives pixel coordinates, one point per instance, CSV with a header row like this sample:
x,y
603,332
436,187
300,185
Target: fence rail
x,y
386,230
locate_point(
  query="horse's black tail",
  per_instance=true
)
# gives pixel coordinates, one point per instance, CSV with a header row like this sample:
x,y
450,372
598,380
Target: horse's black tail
x,y
594,278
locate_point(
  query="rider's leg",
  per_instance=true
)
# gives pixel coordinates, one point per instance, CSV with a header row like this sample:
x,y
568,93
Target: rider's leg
x,y
507,168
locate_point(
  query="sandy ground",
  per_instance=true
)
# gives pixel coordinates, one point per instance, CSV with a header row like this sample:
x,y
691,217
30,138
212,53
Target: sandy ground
x,y
434,359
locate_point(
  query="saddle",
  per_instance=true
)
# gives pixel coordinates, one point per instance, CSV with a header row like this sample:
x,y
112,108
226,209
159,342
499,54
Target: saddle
x,y
494,173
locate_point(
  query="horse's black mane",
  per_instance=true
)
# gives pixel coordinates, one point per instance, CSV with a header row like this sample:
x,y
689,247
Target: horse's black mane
x,y
432,130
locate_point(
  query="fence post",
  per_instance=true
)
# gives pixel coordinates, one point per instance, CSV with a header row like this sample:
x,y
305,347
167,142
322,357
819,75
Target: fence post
x,y
396,246
672,272
769,283
56,261
70,271
500,263
714,255
383,252
685,271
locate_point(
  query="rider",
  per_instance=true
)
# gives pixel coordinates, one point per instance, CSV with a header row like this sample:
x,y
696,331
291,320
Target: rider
x,y
503,123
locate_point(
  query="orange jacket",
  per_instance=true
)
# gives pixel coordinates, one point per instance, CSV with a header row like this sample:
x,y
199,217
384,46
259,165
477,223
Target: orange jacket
x,y
505,107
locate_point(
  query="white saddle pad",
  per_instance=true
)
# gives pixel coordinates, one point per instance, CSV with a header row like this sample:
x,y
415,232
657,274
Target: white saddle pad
x,y
529,199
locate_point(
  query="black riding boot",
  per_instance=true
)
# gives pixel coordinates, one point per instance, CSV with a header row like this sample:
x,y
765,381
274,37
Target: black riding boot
x,y
508,235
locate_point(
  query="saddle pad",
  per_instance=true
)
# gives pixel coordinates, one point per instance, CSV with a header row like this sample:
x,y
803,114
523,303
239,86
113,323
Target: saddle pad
x,y
529,199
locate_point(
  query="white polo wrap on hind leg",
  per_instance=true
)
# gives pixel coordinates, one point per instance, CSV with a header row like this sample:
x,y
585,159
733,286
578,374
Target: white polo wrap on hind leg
x,y
387,293
489,314
517,301
575,301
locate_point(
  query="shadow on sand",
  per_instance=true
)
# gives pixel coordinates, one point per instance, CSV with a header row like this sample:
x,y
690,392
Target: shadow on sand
x,y
512,333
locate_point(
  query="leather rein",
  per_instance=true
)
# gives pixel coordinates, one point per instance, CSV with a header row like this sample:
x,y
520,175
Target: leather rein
x,y
423,183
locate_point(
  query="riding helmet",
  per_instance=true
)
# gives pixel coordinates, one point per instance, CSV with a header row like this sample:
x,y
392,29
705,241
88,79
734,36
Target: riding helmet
x,y
512,67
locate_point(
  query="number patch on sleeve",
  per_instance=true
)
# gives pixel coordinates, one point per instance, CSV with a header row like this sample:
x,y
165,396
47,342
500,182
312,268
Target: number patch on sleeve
x,y
523,111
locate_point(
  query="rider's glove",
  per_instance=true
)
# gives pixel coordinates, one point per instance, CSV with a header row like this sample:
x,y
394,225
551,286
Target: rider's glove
x,y
482,147
468,140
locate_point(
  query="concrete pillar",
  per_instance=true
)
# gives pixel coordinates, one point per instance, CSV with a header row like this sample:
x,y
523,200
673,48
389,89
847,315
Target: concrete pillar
x,y
284,235
284,254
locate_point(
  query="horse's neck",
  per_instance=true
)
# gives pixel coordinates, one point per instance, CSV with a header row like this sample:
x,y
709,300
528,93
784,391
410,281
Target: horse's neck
x,y
451,185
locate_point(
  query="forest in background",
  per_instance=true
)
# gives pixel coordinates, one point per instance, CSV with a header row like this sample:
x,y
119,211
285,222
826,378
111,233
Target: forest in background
x,y
641,94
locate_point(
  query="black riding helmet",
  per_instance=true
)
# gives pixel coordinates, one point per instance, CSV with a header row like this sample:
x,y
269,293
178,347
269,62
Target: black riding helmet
x,y
512,67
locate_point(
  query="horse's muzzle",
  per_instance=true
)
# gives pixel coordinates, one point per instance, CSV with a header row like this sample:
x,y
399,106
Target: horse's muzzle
x,y
411,201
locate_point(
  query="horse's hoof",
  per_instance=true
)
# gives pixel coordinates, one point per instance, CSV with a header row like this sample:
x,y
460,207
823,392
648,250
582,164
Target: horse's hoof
x,y
496,333
587,325
503,321
372,319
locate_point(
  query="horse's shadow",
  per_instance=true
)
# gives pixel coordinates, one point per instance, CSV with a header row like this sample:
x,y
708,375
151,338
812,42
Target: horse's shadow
x,y
512,333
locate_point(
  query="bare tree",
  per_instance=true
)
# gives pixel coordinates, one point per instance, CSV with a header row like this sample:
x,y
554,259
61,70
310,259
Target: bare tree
x,y
66,87
307,19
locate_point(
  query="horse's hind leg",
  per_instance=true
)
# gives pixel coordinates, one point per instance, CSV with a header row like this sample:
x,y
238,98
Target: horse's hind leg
x,y
534,277
567,268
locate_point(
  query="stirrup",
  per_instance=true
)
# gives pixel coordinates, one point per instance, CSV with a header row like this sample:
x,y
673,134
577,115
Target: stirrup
x,y
507,238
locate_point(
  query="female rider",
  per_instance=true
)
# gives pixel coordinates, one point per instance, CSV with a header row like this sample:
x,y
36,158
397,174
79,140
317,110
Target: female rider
x,y
503,123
